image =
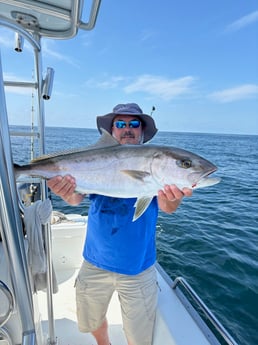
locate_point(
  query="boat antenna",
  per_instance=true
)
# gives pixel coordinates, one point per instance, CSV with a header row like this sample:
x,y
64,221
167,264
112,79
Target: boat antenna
x,y
152,110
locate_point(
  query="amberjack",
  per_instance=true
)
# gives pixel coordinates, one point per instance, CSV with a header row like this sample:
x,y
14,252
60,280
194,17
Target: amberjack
x,y
125,171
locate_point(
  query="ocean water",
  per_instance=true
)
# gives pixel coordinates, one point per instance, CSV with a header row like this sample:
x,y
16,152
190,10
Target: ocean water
x,y
212,239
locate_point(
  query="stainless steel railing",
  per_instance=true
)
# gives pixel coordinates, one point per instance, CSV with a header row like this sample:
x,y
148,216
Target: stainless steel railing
x,y
4,335
9,210
8,294
180,281
11,227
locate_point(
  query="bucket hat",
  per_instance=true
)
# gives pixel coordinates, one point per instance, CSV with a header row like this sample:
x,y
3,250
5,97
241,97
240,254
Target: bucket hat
x,y
132,109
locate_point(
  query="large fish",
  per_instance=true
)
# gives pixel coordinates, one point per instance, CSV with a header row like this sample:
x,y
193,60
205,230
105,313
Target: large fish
x,y
126,171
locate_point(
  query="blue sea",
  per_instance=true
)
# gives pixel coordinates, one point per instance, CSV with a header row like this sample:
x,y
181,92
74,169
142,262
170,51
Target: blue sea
x,y
212,239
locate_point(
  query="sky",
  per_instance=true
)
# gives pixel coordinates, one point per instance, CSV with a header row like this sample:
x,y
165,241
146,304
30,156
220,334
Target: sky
x,y
196,62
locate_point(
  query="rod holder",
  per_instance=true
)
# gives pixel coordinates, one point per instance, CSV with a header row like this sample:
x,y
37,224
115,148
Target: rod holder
x,y
48,83
19,42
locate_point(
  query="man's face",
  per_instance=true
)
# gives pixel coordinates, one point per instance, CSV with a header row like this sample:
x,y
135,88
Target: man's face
x,y
127,129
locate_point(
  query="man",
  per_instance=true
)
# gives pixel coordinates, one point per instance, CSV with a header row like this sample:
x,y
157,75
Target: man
x,y
119,254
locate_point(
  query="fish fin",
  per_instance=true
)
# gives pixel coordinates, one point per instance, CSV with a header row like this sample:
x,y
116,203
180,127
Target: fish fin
x,y
137,174
141,206
44,157
16,168
57,154
106,140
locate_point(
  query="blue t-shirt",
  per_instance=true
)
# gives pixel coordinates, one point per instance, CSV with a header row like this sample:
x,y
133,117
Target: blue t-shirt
x,y
114,242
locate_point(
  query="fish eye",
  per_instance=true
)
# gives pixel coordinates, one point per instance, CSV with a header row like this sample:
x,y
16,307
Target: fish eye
x,y
184,163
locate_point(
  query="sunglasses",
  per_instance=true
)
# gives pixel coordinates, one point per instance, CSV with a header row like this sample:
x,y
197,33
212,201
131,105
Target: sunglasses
x,y
132,124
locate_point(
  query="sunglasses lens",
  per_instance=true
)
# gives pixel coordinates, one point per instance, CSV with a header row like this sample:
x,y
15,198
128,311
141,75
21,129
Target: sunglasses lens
x,y
134,124
120,124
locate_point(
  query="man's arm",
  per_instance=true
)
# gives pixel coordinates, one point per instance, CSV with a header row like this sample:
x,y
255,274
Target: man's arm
x,y
170,197
65,188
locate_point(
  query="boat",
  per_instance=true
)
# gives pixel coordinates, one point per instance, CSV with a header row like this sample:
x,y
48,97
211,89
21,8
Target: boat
x,y
47,316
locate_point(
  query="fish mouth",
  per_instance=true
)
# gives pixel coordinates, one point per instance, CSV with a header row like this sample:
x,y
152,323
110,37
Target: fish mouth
x,y
204,179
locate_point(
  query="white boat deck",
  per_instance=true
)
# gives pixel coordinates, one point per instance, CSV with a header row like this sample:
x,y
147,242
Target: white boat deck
x,y
173,321
174,324
68,239
65,315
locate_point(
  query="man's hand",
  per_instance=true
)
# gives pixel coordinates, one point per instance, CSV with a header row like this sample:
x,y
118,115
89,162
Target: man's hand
x,y
171,196
65,188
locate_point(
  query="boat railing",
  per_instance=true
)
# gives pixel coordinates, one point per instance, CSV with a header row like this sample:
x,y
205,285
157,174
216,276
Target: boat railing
x,y
5,336
180,282
7,292
92,18
10,211
31,20
11,228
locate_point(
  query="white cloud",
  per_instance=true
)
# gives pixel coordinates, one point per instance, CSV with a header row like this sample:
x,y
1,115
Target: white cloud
x,y
18,90
107,83
49,50
10,76
237,93
6,38
243,22
156,86
85,39
147,35
161,87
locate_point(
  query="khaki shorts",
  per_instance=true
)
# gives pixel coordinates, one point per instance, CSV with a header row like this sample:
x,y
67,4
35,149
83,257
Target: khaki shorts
x,y
137,295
